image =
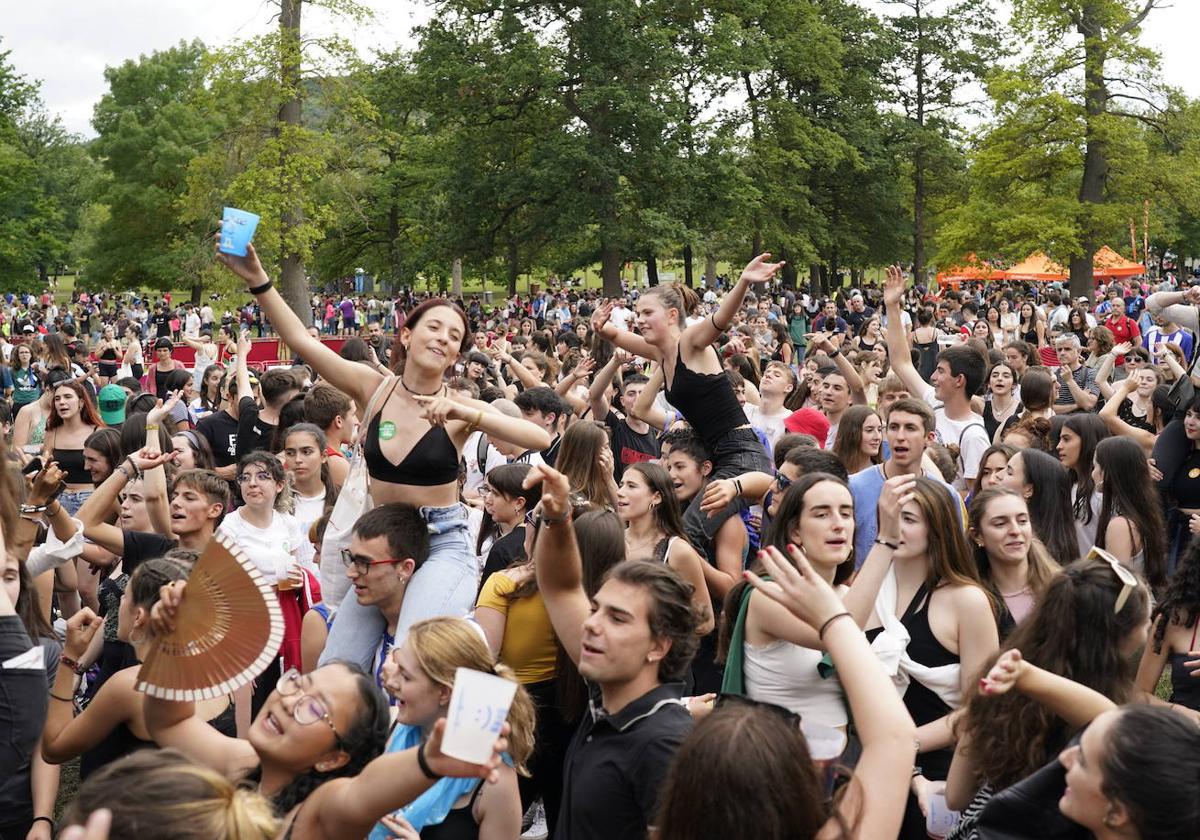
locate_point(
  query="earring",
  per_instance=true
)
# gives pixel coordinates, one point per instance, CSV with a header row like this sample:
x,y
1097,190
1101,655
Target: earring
x,y
134,639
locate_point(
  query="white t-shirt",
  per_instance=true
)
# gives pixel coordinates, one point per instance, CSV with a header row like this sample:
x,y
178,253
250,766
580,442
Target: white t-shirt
x,y
273,549
476,473
621,317
771,424
969,435
308,510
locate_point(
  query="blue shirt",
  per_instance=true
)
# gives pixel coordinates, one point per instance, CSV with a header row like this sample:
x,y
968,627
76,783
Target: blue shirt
x,y
866,487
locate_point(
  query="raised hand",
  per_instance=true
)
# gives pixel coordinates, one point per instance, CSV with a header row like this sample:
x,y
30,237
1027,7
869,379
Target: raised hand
x,y
46,485
759,270
247,267
444,765
601,315
162,614
796,586
893,286
556,489
243,344
81,627
147,458
897,492
718,494
97,828
1003,676
163,410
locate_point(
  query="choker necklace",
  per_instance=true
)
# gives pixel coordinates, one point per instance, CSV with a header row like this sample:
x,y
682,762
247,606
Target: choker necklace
x,y
418,393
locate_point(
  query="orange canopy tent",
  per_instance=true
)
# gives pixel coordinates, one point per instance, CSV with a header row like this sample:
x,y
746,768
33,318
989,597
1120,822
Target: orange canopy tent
x,y
1107,264
972,268
1037,266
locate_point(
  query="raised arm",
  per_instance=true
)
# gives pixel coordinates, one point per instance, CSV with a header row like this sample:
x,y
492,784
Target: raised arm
x,y
1179,307
154,480
858,392
95,510
883,724
704,333
1077,704
556,560
175,724
355,379
897,342
566,386
625,339
598,393
860,600
645,408
1117,426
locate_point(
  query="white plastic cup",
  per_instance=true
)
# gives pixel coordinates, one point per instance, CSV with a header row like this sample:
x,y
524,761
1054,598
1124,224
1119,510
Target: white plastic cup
x,y
479,706
825,747
941,820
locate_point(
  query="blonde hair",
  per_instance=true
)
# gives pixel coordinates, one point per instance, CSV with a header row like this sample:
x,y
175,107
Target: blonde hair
x,y
442,645
162,795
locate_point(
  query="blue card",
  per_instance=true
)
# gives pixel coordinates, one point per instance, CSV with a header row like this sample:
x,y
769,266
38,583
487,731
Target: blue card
x,y
237,229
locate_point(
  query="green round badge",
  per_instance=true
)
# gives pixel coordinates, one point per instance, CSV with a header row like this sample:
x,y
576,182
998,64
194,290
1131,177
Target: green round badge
x,y
387,430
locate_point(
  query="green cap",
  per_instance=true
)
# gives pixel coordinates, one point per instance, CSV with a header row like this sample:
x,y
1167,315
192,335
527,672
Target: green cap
x,y
111,400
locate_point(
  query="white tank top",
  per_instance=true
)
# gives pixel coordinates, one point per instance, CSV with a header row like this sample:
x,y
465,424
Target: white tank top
x,y
786,675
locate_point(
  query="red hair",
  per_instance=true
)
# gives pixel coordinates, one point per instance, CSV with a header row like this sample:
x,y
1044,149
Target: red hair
x,y
87,411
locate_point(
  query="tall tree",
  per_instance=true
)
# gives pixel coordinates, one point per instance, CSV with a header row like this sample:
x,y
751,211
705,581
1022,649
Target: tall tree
x,y
943,50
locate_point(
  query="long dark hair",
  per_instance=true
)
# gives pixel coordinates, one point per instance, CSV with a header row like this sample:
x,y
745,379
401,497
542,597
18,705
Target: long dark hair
x,y
1180,604
1150,765
314,431
362,742
791,507
667,516
1049,506
1012,735
759,776
506,480
1091,429
1128,492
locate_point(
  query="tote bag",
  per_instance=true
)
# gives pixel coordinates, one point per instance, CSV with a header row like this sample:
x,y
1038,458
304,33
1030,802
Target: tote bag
x,y
353,501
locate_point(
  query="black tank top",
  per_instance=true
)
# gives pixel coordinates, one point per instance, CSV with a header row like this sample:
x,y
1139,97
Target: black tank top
x,y
459,823
927,358
707,402
1185,689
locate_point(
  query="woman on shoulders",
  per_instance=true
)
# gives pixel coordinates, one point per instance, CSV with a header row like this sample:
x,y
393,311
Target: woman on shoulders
x,y
72,421
413,436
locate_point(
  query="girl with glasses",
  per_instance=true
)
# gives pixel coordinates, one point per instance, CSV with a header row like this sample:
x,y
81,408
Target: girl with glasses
x,y
313,748
274,540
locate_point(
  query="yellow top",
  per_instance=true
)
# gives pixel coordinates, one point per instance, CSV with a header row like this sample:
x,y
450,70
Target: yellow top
x,y
528,647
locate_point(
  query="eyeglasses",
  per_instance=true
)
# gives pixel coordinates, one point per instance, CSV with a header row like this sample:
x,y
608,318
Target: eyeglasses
x,y
258,477
307,709
361,563
782,481
1129,581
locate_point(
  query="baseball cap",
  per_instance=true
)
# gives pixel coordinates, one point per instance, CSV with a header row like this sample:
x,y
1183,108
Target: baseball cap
x,y
111,401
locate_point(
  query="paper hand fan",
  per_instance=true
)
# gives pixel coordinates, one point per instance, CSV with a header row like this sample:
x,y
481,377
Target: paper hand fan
x,y
227,630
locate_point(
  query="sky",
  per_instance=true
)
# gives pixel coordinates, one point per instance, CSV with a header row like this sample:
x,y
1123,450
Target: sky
x,y
67,45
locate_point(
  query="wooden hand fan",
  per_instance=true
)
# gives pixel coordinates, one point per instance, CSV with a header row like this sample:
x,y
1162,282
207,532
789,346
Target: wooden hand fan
x,y
227,630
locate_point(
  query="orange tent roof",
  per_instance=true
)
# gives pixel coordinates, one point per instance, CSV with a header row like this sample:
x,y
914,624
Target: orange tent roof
x,y
1037,266
1108,263
972,268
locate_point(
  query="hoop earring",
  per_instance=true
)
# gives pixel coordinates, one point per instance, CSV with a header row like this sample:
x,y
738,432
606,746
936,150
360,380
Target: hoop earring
x,y
133,639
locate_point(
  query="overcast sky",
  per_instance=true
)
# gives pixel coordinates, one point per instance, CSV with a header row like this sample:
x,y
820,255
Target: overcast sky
x,y
67,45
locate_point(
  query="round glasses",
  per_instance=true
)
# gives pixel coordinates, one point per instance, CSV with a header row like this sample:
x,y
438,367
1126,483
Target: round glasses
x,y
307,709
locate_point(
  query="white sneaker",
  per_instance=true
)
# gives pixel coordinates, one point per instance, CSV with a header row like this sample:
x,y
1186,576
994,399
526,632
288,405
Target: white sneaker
x,y
537,829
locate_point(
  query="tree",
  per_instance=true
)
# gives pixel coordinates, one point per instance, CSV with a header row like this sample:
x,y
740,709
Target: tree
x,y
149,131
941,49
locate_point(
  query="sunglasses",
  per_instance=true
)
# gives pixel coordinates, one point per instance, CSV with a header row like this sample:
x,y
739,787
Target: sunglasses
x,y
1128,579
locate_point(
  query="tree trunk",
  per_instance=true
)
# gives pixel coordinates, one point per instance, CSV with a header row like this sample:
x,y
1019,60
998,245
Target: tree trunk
x,y
919,153
710,270
393,229
687,267
651,269
197,291
816,278
456,277
512,260
610,268
1093,186
292,281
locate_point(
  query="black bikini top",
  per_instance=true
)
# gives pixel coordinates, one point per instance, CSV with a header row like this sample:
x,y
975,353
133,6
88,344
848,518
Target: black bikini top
x,y
433,460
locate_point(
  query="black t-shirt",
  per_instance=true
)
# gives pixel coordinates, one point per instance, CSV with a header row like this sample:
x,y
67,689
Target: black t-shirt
x,y
163,324
220,429
143,545
504,552
252,431
628,446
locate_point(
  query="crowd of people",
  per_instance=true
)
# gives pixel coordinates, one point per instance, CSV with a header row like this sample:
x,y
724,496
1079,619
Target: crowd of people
x,y
900,561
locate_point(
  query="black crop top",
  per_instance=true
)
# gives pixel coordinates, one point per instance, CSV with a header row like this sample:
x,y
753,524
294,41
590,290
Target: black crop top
x,y
70,461
433,460
707,402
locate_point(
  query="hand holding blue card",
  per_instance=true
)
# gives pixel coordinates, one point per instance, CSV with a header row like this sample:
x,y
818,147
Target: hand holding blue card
x,y
237,229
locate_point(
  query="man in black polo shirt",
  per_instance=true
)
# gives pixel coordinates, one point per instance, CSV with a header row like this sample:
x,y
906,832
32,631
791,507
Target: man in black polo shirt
x,y
632,641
